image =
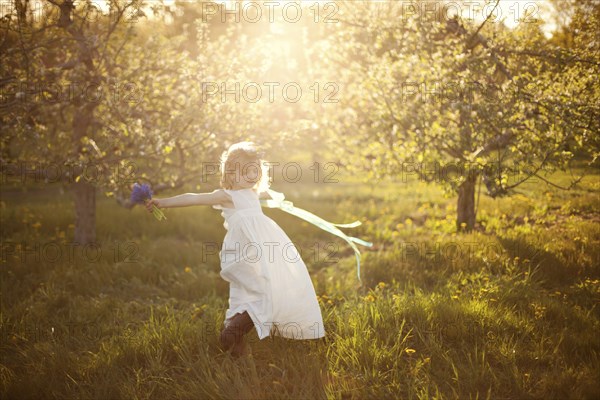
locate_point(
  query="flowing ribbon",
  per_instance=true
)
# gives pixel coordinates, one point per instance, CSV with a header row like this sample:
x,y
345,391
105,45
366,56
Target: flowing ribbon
x,y
287,206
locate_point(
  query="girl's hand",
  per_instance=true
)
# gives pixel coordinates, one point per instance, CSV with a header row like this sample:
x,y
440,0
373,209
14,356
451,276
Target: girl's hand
x,y
151,202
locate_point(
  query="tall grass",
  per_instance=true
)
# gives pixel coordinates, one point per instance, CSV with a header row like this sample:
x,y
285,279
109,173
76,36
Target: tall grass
x,y
509,311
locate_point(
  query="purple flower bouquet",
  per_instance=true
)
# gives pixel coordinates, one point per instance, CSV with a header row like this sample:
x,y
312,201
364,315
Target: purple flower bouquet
x,y
141,194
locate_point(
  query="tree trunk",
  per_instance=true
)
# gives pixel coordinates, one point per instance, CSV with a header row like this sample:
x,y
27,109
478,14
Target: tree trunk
x,y
465,210
85,213
84,191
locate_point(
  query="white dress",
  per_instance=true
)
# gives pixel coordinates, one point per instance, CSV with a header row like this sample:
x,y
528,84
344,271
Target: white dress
x,y
266,274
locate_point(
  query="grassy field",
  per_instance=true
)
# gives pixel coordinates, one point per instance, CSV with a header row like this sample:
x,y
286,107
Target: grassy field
x,y
509,311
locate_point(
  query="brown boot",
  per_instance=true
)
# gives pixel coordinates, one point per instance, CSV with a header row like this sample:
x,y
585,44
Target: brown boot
x,y
232,337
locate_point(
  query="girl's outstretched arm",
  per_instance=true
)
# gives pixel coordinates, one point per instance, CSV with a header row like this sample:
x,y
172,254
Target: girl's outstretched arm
x,y
217,196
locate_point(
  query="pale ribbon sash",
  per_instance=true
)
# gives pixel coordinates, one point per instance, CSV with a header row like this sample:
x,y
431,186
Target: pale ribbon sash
x,y
287,206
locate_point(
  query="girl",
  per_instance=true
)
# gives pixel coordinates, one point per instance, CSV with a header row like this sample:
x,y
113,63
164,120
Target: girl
x,y
270,288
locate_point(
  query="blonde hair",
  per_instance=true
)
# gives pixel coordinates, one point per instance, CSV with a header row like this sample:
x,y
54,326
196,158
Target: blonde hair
x,y
243,154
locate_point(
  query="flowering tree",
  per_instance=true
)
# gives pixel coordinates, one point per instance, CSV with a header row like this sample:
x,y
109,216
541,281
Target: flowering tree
x,y
97,100
443,99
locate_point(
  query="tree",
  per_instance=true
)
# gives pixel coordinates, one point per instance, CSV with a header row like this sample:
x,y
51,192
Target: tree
x,y
122,95
87,93
450,101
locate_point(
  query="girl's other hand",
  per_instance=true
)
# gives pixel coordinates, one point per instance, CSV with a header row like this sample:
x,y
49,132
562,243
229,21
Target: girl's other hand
x,y
152,202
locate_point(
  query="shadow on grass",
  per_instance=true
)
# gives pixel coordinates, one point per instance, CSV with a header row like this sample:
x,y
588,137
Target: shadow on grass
x,y
553,271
